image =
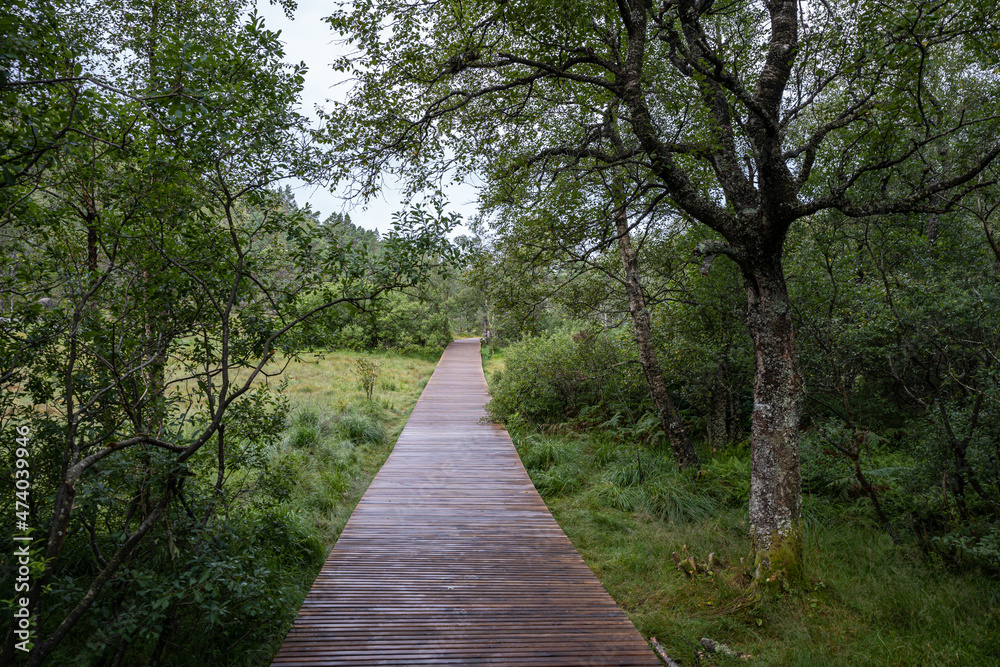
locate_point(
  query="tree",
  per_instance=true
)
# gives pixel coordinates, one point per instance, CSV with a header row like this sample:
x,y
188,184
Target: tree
x,y
747,117
42,107
575,221
515,283
151,276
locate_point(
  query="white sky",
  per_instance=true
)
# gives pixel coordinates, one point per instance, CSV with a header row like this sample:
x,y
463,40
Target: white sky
x,y
308,39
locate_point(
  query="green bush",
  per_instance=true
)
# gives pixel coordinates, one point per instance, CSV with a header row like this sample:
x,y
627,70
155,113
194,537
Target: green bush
x,y
283,534
397,321
563,375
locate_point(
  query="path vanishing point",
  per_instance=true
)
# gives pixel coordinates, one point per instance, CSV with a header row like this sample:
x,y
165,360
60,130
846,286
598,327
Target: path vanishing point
x,y
452,558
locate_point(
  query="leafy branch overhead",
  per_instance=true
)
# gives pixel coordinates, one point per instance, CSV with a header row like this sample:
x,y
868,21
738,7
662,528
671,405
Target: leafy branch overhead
x,y
775,117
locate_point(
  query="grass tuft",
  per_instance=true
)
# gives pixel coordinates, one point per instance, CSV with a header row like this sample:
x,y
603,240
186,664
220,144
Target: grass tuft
x,y
303,437
360,428
539,453
565,478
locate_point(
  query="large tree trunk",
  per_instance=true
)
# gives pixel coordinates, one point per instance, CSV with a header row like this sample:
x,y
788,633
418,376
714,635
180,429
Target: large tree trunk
x,y
775,483
667,412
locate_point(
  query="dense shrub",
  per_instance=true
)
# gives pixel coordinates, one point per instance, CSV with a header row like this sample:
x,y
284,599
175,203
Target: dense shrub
x,y
582,373
912,472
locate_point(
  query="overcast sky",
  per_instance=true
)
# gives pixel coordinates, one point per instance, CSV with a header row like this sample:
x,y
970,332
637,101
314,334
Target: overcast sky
x,y
308,39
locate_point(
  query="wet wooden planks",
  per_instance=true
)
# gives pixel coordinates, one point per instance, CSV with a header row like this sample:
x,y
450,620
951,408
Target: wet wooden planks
x,y
452,558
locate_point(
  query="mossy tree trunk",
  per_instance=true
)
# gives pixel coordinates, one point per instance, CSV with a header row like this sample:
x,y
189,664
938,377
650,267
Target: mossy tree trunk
x,y
775,481
718,411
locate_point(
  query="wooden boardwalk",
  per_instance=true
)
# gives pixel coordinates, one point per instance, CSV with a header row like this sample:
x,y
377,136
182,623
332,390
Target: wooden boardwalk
x,y
452,558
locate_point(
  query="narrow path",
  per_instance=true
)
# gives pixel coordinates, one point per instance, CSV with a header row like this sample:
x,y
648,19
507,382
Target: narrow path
x,y
451,557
